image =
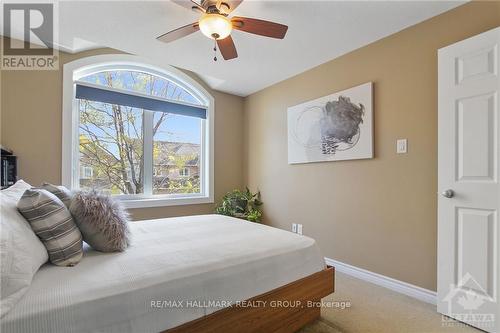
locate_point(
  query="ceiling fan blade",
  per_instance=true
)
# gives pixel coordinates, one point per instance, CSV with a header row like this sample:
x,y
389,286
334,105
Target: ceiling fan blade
x,y
189,4
259,27
227,48
227,6
179,33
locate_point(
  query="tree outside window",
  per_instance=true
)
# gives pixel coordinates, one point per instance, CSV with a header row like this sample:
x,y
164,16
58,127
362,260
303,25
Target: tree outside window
x,y
111,139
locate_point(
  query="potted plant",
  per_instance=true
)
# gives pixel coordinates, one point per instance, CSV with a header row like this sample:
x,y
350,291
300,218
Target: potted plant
x,y
241,204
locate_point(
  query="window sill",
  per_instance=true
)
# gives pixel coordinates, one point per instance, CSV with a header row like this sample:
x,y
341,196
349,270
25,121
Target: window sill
x,y
164,202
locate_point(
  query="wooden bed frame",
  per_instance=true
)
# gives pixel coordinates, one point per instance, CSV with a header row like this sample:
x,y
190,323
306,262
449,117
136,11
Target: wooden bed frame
x,y
271,316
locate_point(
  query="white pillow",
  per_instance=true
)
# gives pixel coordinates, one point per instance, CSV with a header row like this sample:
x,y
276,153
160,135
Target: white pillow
x,y
21,252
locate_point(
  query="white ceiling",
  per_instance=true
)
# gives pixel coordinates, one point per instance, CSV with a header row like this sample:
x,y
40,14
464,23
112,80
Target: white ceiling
x,y
318,31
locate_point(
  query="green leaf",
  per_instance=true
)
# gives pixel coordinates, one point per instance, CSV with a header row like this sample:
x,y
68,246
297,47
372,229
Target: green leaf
x,y
241,204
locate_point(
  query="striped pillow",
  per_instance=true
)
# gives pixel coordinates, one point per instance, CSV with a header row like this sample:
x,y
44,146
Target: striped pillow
x,y
52,223
59,191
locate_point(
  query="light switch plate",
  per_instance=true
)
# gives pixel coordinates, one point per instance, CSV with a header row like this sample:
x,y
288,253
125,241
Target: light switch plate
x,y
402,146
299,229
294,227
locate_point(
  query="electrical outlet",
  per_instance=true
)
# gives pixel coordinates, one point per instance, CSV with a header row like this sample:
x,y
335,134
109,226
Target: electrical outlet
x,y
402,146
294,227
299,229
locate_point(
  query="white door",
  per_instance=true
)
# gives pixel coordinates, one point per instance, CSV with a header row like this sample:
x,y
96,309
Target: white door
x,y
468,171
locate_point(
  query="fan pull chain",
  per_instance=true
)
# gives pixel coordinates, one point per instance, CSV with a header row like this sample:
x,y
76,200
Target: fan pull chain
x,y
215,50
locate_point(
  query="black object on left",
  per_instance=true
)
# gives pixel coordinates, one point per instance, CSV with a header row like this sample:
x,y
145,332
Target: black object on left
x,y
8,168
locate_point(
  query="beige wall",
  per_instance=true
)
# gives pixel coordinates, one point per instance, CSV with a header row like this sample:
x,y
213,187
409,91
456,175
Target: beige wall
x,y
31,120
377,214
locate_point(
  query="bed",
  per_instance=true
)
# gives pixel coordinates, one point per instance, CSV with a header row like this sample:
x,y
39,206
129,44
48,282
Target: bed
x,y
181,274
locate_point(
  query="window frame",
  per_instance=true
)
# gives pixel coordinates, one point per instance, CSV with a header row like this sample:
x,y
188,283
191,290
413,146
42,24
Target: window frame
x,y
75,70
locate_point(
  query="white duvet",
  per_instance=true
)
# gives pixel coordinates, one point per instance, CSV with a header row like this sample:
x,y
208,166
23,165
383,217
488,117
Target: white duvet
x,y
176,270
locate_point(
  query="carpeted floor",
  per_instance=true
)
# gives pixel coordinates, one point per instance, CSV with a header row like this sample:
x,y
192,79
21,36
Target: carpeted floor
x,y
375,309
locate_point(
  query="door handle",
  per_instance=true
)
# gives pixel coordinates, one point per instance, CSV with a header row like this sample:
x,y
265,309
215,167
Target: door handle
x,y
448,194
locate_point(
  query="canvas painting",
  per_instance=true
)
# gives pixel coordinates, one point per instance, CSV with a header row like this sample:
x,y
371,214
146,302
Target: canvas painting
x,y
332,128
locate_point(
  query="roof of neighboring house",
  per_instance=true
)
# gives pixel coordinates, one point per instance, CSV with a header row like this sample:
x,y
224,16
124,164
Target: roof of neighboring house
x,y
186,153
89,153
182,150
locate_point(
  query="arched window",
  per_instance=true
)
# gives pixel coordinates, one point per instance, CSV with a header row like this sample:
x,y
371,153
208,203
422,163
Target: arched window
x,y
136,130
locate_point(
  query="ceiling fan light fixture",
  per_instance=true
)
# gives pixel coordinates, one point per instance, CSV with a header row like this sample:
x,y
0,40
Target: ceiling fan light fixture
x,y
215,26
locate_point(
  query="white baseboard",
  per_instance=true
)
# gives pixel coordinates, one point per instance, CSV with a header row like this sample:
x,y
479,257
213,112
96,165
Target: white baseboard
x,y
408,289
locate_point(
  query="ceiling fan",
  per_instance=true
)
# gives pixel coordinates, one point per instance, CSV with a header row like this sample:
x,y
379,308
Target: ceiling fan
x,y
215,24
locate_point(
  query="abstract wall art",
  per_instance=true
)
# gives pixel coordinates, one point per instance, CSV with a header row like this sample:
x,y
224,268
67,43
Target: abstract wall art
x,y
332,128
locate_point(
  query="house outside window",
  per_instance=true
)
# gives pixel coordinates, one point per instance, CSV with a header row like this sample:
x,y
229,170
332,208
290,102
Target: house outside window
x,y
86,172
140,132
184,172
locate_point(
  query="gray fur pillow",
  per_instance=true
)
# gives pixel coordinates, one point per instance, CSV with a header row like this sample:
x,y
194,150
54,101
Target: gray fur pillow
x,y
102,221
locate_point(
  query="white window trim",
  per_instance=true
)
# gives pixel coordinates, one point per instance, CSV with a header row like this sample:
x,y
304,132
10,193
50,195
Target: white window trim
x,y
77,69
